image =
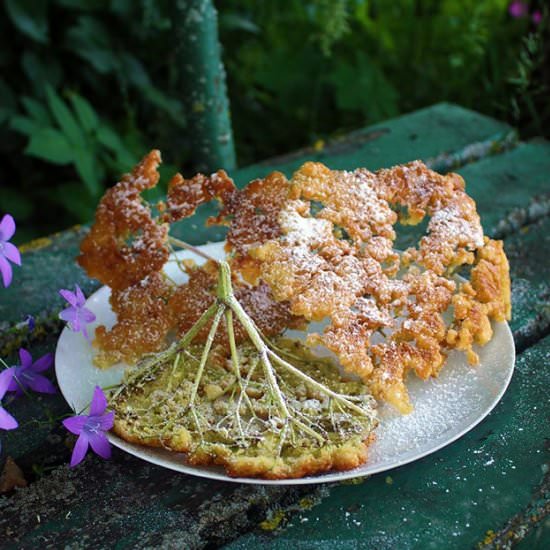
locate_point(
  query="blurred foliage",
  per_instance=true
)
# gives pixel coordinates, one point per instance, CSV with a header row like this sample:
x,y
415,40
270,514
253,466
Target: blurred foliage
x,y
88,86
321,67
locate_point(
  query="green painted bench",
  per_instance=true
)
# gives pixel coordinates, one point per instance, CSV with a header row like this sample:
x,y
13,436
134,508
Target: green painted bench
x,y
489,489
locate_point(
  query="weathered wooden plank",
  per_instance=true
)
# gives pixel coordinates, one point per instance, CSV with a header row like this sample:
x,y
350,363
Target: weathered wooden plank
x,y
126,503
460,497
444,135
508,182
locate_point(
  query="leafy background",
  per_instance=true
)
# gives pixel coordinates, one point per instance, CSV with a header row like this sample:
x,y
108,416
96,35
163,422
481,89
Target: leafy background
x,y
88,86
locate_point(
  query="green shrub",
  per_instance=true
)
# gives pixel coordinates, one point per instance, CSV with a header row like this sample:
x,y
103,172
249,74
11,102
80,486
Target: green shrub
x,y
88,86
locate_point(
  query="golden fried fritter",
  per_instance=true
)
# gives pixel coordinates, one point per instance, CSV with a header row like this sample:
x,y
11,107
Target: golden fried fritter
x,y
252,215
317,247
385,313
125,244
143,322
184,196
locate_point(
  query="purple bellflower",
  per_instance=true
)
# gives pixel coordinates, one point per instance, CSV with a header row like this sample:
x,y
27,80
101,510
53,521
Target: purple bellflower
x,y
27,375
8,251
7,422
91,429
517,9
76,315
536,17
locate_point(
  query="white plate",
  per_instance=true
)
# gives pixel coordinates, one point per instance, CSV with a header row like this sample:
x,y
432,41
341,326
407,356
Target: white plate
x,y
444,408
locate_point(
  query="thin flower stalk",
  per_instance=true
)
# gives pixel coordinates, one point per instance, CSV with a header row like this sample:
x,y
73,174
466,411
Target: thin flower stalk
x,y
283,416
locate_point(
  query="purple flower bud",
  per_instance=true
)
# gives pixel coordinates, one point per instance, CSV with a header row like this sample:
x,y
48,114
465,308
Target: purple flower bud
x,y
7,422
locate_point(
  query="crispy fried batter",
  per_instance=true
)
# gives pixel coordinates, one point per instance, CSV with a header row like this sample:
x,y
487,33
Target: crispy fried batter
x,y
143,322
184,196
485,297
125,244
339,264
454,229
252,215
320,246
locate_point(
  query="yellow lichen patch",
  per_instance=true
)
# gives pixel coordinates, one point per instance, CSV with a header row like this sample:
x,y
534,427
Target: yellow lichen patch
x,y
271,523
36,244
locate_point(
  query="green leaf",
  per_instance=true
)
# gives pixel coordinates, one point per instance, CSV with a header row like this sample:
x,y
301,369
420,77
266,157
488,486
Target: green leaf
x,y
134,71
86,167
8,103
37,111
23,125
50,145
90,40
108,138
171,106
124,159
85,112
30,17
64,117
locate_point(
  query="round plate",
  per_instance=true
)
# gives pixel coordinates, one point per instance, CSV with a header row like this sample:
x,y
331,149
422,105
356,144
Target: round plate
x,y
445,408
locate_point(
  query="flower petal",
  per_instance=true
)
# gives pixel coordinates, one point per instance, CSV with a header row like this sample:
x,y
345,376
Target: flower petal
x,y
106,421
6,271
86,315
7,422
100,445
7,227
11,252
80,449
75,424
41,384
6,377
99,402
26,358
43,363
69,296
15,384
80,298
69,314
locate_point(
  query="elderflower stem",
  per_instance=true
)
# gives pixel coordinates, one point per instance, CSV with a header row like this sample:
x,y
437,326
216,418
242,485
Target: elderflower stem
x,y
199,324
191,248
205,353
322,388
225,294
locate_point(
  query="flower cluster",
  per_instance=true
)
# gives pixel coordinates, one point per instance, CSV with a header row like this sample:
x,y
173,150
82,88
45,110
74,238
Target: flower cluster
x,y
28,375
519,10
